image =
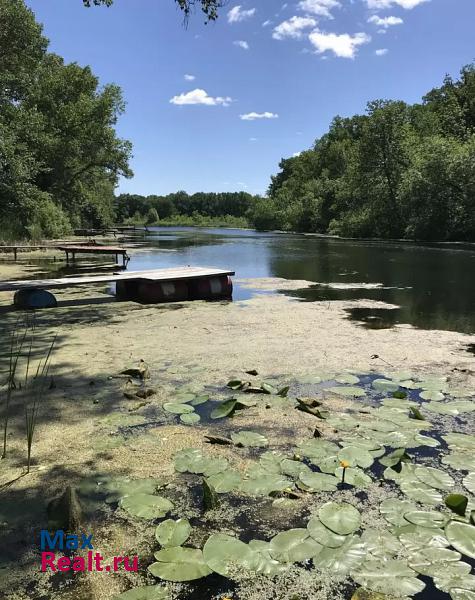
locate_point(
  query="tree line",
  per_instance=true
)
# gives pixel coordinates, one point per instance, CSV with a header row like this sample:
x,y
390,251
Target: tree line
x,y
398,171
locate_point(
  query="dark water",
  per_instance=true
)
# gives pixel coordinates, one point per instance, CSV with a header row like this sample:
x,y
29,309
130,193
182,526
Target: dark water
x,y
433,285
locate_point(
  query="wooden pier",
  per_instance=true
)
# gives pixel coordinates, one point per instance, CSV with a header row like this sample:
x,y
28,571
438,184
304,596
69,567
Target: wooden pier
x,y
72,249
156,283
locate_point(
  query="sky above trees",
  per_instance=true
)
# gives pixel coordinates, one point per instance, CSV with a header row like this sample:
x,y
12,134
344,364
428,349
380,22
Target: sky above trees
x,y
215,107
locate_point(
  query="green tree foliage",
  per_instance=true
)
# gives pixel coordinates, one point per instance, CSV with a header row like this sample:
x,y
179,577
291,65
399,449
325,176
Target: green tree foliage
x,y
399,171
210,8
60,157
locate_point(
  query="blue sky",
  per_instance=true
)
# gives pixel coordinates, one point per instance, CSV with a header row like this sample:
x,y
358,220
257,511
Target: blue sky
x,y
268,76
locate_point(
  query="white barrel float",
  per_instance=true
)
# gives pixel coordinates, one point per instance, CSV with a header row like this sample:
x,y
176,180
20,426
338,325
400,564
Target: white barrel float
x,y
34,299
127,289
154,292
211,288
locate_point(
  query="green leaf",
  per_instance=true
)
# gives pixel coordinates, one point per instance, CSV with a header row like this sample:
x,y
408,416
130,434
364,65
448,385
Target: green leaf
x,y
190,419
462,537
224,409
355,392
385,385
318,482
177,409
392,577
420,492
340,518
146,506
146,592
381,544
457,503
223,554
356,456
431,561
340,561
393,510
323,535
354,477
173,533
294,545
432,395
225,482
469,483
235,384
426,518
265,484
249,439
179,564
435,478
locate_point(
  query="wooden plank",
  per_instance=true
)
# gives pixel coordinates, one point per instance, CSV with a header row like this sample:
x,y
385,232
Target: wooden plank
x,y
150,275
92,249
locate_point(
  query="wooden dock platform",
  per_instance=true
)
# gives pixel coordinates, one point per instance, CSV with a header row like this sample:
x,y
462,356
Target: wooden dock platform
x,y
94,249
161,275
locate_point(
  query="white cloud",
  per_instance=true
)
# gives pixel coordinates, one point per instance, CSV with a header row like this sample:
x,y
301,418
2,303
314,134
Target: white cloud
x,y
385,22
236,14
381,51
252,116
253,139
293,28
343,45
241,44
267,23
199,96
321,8
189,77
407,4
295,154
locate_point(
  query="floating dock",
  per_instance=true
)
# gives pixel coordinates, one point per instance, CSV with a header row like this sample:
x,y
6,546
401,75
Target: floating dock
x,y
72,249
152,286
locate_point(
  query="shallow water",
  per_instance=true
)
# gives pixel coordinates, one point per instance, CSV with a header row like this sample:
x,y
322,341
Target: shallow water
x,y
432,284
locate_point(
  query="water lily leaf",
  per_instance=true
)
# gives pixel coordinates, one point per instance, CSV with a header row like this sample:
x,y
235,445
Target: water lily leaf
x,y
356,456
146,506
293,468
469,482
224,409
145,592
460,440
443,408
422,538
416,413
340,561
323,535
294,545
388,577
318,482
459,594
462,537
432,395
283,391
265,485
197,400
249,439
362,594
184,397
235,384
423,440
416,490
190,418
393,510
121,487
435,478
173,533
455,576
191,460
317,448
340,518
385,385
354,477
179,564
462,460
177,409
394,458
268,389
271,462
327,465
223,553
430,561
348,378
225,482
354,392
381,544
426,518
457,503
266,564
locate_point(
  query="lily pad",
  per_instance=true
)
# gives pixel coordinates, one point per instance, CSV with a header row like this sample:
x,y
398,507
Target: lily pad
x,y
469,483
354,477
145,592
177,408
294,545
341,560
225,482
385,385
340,518
146,506
348,378
265,484
420,492
190,418
356,456
462,537
223,553
225,409
432,395
173,533
381,544
457,502
323,535
354,392
430,561
179,564
249,439
391,576
435,478
427,518
318,482
393,510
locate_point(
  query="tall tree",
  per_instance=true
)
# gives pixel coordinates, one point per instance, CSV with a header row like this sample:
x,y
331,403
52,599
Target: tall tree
x,y
209,7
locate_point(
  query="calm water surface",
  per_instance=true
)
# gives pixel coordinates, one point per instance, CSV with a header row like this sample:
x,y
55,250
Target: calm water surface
x,y
433,285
